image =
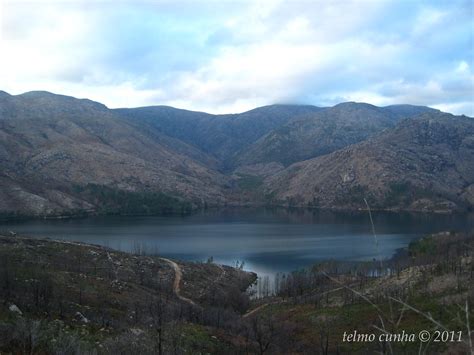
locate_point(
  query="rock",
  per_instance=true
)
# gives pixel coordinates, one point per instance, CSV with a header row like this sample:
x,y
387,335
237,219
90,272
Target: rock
x,y
14,308
80,317
347,176
136,331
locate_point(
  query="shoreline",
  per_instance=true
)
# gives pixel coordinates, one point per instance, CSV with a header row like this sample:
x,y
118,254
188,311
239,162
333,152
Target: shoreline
x,y
10,216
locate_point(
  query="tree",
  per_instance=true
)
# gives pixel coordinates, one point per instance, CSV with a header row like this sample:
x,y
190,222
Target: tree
x,y
157,312
263,332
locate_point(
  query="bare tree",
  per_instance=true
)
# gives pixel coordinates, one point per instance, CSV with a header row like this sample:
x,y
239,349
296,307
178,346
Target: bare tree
x,y
263,332
157,312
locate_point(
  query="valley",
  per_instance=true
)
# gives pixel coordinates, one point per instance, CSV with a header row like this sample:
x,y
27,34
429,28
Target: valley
x,y
241,233
62,156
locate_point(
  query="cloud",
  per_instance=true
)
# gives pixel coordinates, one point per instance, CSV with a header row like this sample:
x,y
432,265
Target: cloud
x,y
230,57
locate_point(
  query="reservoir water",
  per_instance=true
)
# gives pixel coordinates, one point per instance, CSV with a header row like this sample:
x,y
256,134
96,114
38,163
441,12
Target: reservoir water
x,y
266,240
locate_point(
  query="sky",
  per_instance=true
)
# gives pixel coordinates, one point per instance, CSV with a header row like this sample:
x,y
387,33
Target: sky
x,y
232,56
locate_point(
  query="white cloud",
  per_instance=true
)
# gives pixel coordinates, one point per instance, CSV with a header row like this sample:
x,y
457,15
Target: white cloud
x,y
458,108
233,57
463,68
427,20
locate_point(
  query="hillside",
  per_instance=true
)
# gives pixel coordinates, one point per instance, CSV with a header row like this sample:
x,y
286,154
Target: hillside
x,y
63,156
328,308
66,297
53,148
63,297
426,163
221,136
323,132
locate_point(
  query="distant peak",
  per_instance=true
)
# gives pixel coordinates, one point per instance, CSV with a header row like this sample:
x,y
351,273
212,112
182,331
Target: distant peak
x,y
4,94
283,106
353,104
38,95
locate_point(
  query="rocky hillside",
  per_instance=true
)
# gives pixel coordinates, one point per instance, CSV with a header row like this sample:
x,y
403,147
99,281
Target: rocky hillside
x,y
54,148
60,155
221,136
324,132
426,163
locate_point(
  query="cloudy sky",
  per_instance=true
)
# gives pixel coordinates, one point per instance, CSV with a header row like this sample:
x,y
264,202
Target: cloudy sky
x,y
223,56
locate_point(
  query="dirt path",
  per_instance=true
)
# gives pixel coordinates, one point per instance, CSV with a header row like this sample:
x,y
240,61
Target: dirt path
x,y
177,280
178,275
255,310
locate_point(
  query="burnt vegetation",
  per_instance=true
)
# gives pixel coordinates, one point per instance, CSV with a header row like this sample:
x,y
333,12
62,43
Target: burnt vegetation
x,y
69,298
62,297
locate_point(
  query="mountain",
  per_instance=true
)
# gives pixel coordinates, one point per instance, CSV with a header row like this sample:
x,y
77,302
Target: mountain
x,y
424,163
324,131
59,153
221,136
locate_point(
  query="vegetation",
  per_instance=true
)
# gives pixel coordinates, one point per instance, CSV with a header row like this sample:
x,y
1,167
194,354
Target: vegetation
x,y
355,196
59,297
115,201
323,154
426,287
63,297
422,247
404,193
9,215
249,182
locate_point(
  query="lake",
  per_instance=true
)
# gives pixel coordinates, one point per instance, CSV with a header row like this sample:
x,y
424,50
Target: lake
x,y
267,240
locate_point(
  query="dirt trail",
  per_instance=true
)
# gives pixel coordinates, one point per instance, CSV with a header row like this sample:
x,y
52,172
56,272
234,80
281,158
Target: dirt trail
x,y
255,310
177,280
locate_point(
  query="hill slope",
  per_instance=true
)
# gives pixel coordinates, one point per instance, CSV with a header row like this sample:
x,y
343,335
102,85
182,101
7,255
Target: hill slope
x,y
66,297
219,135
60,155
51,144
324,132
425,163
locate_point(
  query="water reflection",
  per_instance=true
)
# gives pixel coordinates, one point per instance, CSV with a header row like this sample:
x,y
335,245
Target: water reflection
x,y
267,240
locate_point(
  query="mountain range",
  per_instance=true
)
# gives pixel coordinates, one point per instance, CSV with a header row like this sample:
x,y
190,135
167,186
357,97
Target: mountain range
x,y
60,155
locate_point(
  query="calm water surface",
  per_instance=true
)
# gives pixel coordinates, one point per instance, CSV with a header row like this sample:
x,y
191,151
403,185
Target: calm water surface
x,y
267,240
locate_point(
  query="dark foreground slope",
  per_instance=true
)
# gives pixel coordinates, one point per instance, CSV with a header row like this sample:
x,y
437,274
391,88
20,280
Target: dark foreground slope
x,y
425,163
333,308
67,298
64,297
